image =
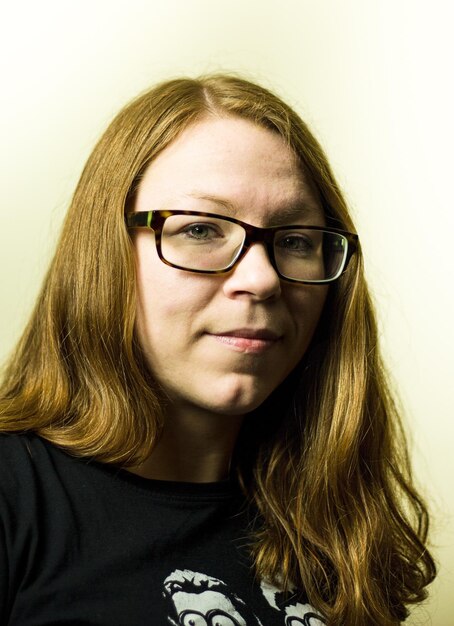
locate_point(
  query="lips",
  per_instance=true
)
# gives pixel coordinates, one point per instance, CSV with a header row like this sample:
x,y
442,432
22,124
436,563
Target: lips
x,y
251,333
248,340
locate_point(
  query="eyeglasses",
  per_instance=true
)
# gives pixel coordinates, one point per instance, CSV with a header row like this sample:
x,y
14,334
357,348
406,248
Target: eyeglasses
x,y
208,243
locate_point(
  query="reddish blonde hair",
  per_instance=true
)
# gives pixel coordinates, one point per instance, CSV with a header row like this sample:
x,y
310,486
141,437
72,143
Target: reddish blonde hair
x,y
330,477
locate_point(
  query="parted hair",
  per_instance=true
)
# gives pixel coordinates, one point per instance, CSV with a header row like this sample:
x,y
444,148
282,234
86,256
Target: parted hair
x,y
327,472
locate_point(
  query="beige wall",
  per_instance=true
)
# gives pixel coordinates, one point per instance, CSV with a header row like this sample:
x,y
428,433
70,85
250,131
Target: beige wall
x,y
372,77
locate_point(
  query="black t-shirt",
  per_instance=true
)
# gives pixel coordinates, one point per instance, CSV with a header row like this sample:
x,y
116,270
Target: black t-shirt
x,y
85,543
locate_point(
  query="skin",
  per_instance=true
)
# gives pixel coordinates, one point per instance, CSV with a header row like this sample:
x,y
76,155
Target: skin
x,y
202,334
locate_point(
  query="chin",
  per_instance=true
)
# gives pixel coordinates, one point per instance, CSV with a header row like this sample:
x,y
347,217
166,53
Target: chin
x,y
237,410
237,401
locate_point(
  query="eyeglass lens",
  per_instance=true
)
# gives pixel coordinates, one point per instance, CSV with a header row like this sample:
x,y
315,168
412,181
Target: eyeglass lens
x,y
214,244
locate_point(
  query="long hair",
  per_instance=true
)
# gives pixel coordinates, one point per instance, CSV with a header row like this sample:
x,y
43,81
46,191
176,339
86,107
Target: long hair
x,y
338,515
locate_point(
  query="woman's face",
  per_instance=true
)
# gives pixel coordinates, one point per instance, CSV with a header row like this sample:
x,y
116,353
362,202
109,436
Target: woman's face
x,y
224,342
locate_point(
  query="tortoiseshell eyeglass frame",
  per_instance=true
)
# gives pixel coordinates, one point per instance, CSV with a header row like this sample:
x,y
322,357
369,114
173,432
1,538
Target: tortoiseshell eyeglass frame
x,y
254,234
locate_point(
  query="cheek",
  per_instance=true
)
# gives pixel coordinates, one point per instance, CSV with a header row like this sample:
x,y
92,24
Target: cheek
x,y
169,301
306,306
160,324
155,291
156,288
159,305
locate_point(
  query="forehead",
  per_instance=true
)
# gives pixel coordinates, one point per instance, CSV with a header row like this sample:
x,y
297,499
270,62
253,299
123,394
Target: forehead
x,y
230,166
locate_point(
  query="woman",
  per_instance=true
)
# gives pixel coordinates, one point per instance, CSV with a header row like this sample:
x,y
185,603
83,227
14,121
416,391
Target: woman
x,y
197,426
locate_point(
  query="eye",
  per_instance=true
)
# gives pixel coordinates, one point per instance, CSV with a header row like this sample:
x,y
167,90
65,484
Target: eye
x,y
202,231
295,242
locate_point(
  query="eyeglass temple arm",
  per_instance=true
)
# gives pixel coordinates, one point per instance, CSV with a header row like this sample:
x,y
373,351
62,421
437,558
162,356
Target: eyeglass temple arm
x,y
353,242
142,218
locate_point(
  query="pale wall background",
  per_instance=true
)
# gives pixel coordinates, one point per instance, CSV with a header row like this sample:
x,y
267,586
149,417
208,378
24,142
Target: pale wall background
x,y
372,77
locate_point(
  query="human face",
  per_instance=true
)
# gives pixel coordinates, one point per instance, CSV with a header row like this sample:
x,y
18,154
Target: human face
x,y
223,343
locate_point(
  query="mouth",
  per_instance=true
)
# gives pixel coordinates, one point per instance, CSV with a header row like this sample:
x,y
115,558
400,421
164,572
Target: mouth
x,y
248,340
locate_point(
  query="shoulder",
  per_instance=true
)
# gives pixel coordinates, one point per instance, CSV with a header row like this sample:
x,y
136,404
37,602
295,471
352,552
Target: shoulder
x,y
17,452
42,490
21,453
24,458
33,470
14,445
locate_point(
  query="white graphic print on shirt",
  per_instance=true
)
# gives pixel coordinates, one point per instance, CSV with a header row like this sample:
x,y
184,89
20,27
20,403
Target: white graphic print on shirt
x,y
295,612
200,600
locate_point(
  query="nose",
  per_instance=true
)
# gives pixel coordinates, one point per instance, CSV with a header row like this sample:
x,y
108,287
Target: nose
x,y
253,276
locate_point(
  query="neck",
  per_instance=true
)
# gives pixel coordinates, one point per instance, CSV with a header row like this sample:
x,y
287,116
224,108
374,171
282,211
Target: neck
x,y
195,446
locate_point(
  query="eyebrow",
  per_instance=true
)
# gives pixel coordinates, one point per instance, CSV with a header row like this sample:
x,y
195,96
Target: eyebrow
x,y
295,209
